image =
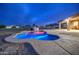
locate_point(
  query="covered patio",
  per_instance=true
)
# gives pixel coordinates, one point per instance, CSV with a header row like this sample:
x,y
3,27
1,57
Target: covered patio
x,y
71,23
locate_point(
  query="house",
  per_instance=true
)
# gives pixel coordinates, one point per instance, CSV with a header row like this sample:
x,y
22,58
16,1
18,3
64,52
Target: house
x,y
17,26
9,27
71,23
55,26
12,26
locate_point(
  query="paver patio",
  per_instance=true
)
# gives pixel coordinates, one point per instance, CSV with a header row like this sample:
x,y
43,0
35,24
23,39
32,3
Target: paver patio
x,y
67,44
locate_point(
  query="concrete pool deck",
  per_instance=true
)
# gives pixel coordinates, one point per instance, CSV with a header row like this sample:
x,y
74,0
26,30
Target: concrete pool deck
x,y
69,41
67,44
41,46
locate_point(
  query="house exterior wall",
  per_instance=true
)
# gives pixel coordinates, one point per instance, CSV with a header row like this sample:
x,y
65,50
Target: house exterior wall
x,y
72,23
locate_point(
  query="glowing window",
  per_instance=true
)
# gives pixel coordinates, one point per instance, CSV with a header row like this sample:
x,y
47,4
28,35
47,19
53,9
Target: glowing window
x,y
75,23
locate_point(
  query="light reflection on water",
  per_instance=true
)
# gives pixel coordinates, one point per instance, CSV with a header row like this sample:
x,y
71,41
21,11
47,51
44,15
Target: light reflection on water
x,y
44,36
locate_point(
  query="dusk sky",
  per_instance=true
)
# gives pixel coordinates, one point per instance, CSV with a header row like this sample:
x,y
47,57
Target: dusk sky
x,y
35,13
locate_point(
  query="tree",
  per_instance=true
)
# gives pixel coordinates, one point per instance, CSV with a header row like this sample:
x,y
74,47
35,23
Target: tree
x,y
2,26
13,26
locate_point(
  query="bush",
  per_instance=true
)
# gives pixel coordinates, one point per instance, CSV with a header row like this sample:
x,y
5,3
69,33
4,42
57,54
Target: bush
x,y
2,26
13,26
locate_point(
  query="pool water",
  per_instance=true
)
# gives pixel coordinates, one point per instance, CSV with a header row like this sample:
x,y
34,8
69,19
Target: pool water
x,y
43,36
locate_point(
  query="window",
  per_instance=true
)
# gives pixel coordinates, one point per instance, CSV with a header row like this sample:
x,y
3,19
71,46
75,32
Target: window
x,y
75,23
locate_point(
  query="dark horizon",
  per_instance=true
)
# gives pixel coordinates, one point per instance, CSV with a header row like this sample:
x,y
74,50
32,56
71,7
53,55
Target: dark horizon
x,y
35,13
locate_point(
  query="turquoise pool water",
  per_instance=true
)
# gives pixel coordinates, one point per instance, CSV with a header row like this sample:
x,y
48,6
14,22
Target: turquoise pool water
x,y
43,36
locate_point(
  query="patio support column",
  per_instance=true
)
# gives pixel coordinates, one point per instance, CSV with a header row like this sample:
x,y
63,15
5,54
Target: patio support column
x,y
60,25
68,25
78,24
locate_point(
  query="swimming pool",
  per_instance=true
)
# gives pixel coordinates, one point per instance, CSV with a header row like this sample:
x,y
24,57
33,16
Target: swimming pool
x,y
36,36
